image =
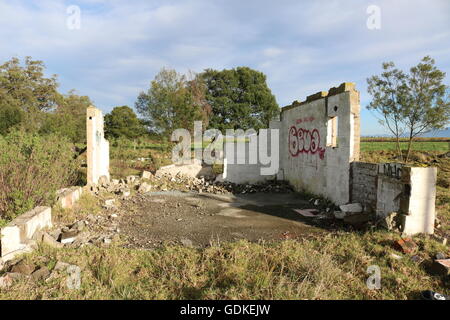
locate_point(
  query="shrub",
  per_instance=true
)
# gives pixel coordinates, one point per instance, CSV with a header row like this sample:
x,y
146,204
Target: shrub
x,y
32,168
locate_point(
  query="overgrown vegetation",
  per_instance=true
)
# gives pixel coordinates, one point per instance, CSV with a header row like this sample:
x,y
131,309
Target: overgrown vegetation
x,y
32,168
330,267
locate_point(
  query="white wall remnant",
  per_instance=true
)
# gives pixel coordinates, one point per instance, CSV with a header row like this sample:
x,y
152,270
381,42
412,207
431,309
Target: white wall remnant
x,y
319,139
97,147
319,148
16,236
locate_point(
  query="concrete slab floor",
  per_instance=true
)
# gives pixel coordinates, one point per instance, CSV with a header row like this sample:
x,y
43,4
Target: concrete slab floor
x,y
201,219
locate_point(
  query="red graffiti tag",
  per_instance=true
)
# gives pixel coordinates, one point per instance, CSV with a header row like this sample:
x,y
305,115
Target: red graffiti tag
x,y
305,141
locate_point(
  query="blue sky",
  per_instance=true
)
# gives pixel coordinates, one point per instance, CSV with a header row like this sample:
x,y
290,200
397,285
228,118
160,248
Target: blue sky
x,y
302,46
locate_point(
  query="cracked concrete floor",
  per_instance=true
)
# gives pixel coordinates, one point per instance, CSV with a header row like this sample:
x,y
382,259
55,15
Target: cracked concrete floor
x,y
198,220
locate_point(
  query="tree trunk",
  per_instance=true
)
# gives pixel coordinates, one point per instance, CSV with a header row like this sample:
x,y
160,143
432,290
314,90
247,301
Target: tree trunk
x,y
409,148
399,150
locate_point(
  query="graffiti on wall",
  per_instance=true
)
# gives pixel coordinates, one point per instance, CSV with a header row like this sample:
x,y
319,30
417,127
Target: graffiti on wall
x,y
305,141
393,170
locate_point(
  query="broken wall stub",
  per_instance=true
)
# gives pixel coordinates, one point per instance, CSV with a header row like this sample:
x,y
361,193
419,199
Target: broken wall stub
x,y
97,147
319,138
411,192
390,188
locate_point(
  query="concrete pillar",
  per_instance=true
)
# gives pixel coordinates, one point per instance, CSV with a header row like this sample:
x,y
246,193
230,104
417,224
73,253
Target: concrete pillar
x,y
97,147
421,212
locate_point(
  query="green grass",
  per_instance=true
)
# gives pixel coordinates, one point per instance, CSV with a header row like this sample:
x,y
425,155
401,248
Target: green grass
x,y
429,146
330,267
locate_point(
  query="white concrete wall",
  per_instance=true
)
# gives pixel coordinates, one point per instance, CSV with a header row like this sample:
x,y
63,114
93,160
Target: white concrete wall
x,y
306,160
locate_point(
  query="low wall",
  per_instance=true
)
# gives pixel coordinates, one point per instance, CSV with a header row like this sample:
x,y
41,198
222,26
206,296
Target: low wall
x,y
16,236
392,187
67,197
364,184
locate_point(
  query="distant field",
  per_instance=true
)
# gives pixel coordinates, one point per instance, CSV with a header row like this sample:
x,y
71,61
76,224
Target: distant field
x,y
427,146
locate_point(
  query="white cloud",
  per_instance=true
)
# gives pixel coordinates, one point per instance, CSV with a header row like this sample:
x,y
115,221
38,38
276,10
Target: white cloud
x,y
303,47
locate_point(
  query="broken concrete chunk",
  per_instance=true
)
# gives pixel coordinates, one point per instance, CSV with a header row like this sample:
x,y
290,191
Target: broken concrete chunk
x,y
50,241
187,242
40,274
68,236
23,267
357,220
351,208
406,246
61,266
144,188
79,226
5,281
109,203
146,175
339,214
130,179
103,181
441,267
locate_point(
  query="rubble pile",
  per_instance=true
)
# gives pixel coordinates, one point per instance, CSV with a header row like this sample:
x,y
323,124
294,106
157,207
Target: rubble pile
x,y
165,182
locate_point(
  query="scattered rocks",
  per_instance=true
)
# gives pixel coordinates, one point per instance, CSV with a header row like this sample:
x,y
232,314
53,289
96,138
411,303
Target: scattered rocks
x,y
68,236
5,282
441,267
357,220
440,256
186,242
144,187
407,246
339,215
146,175
50,241
351,208
23,267
40,274
109,203
61,266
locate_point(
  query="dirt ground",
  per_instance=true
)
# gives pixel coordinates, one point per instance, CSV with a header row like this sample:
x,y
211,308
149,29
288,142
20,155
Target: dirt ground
x,y
198,220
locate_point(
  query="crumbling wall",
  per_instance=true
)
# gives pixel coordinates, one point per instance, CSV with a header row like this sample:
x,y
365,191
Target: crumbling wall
x,y
97,147
318,141
392,188
364,184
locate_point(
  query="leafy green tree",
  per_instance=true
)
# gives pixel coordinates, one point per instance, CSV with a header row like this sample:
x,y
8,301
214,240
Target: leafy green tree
x,y
410,103
68,118
26,91
239,99
173,101
123,122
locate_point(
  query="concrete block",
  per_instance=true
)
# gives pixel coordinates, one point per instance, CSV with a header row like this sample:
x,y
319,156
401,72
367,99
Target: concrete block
x,y
67,197
16,236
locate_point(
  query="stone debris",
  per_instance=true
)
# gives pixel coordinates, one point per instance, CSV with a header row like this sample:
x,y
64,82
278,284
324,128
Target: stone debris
x,y
23,267
351,208
50,241
146,175
307,212
186,242
5,282
68,236
357,220
407,246
61,266
144,187
339,215
40,274
441,267
109,203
